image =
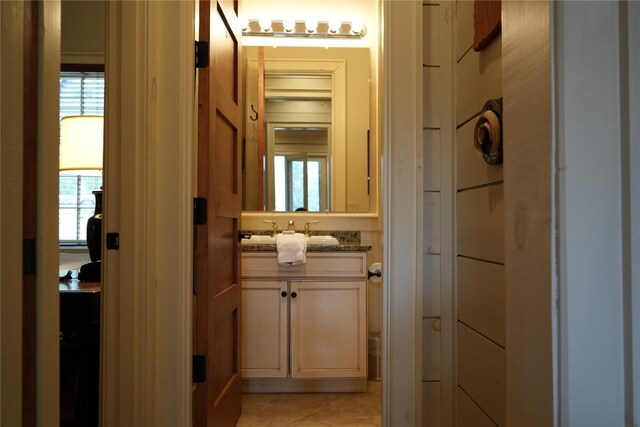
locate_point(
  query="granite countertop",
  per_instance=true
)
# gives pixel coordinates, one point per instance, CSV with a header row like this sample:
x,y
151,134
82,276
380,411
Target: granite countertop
x,y
349,242
350,247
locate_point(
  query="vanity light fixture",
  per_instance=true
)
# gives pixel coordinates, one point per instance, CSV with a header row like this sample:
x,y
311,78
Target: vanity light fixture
x,y
311,27
265,25
244,24
289,25
334,26
357,27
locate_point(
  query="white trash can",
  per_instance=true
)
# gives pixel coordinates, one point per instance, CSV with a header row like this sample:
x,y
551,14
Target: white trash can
x,y
374,359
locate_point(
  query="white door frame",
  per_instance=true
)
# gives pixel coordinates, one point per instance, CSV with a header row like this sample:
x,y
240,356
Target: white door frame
x,y
148,190
402,213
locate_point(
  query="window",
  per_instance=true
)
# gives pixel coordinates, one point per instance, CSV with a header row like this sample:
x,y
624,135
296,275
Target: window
x,y
300,182
81,93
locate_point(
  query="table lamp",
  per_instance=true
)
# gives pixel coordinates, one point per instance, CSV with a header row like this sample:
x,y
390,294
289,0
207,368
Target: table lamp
x,y
81,147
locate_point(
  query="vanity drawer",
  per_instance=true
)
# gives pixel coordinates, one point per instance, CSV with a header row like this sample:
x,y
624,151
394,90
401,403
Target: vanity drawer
x,y
335,264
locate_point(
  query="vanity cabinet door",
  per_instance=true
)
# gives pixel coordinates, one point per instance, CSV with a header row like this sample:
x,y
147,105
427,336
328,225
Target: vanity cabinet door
x,y
264,329
328,329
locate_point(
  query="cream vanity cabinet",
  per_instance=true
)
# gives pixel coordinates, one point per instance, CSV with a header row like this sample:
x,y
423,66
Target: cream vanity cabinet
x,y
306,322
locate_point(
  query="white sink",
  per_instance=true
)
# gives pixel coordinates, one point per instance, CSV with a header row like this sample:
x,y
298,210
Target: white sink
x,y
259,240
311,240
322,241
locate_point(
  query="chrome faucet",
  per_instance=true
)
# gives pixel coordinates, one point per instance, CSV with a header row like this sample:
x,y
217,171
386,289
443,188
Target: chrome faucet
x,y
291,226
274,226
307,227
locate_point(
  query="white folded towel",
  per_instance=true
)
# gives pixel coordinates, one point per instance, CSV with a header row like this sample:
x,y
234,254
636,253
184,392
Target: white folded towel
x,y
292,249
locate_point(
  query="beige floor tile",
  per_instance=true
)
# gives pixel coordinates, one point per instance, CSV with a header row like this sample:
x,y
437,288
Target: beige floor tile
x,y
313,410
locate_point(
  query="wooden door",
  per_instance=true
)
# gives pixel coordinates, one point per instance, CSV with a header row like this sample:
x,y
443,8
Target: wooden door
x,y
218,300
265,337
328,329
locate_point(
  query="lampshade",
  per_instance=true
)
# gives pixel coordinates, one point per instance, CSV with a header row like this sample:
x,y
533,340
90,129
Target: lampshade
x,y
81,142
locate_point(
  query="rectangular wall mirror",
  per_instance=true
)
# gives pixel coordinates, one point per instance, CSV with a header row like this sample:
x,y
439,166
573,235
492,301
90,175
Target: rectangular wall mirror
x,y
314,152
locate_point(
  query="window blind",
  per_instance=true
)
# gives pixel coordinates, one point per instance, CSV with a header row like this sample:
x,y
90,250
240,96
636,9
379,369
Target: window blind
x,y
81,93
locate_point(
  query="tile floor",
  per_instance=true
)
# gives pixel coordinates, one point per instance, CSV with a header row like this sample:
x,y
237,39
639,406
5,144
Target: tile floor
x,y
306,409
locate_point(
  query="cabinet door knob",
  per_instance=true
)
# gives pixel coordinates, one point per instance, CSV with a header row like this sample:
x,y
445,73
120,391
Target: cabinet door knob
x,y
284,294
293,294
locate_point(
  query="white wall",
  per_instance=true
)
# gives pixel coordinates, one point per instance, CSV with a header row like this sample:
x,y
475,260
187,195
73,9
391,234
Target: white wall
x,y
11,39
47,306
438,200
402,169
594,227
83,32
480,225
529,214
634,176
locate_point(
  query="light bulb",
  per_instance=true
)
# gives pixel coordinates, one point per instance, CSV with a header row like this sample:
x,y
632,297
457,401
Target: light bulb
x,y
265,24
311,25
334,26
356,26
244,25
289,25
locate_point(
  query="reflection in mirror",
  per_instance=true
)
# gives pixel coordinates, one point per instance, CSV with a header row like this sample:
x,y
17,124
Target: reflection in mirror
x,y
297,170
315,109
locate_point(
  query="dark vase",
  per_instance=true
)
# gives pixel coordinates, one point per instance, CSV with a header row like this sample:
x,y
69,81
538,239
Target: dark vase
x,y
94,229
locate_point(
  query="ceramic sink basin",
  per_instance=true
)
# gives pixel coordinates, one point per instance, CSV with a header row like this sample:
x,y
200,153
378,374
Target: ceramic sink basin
x,y
311,240
259,240
322,241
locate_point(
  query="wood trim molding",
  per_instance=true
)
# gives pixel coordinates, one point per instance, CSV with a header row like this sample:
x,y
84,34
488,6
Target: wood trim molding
x,y
447,215
125,336
48,319
530,218
11,110
173,120
29,210
401,196
146,344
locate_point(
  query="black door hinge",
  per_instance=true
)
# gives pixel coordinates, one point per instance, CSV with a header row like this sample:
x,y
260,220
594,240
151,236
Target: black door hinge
x,y
199,368
113,241
199,210
202,54
28,257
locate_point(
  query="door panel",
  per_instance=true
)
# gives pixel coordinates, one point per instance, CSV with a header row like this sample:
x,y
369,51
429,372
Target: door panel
x,y
224,353
328,329
264,329
224,261
226,54
218,300
226,155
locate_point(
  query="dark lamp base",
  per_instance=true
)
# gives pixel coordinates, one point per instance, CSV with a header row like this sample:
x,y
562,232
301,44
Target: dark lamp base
x,y
94,229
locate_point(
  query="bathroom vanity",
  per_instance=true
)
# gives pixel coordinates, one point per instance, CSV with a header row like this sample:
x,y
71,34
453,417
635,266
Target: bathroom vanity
x,y
304,327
